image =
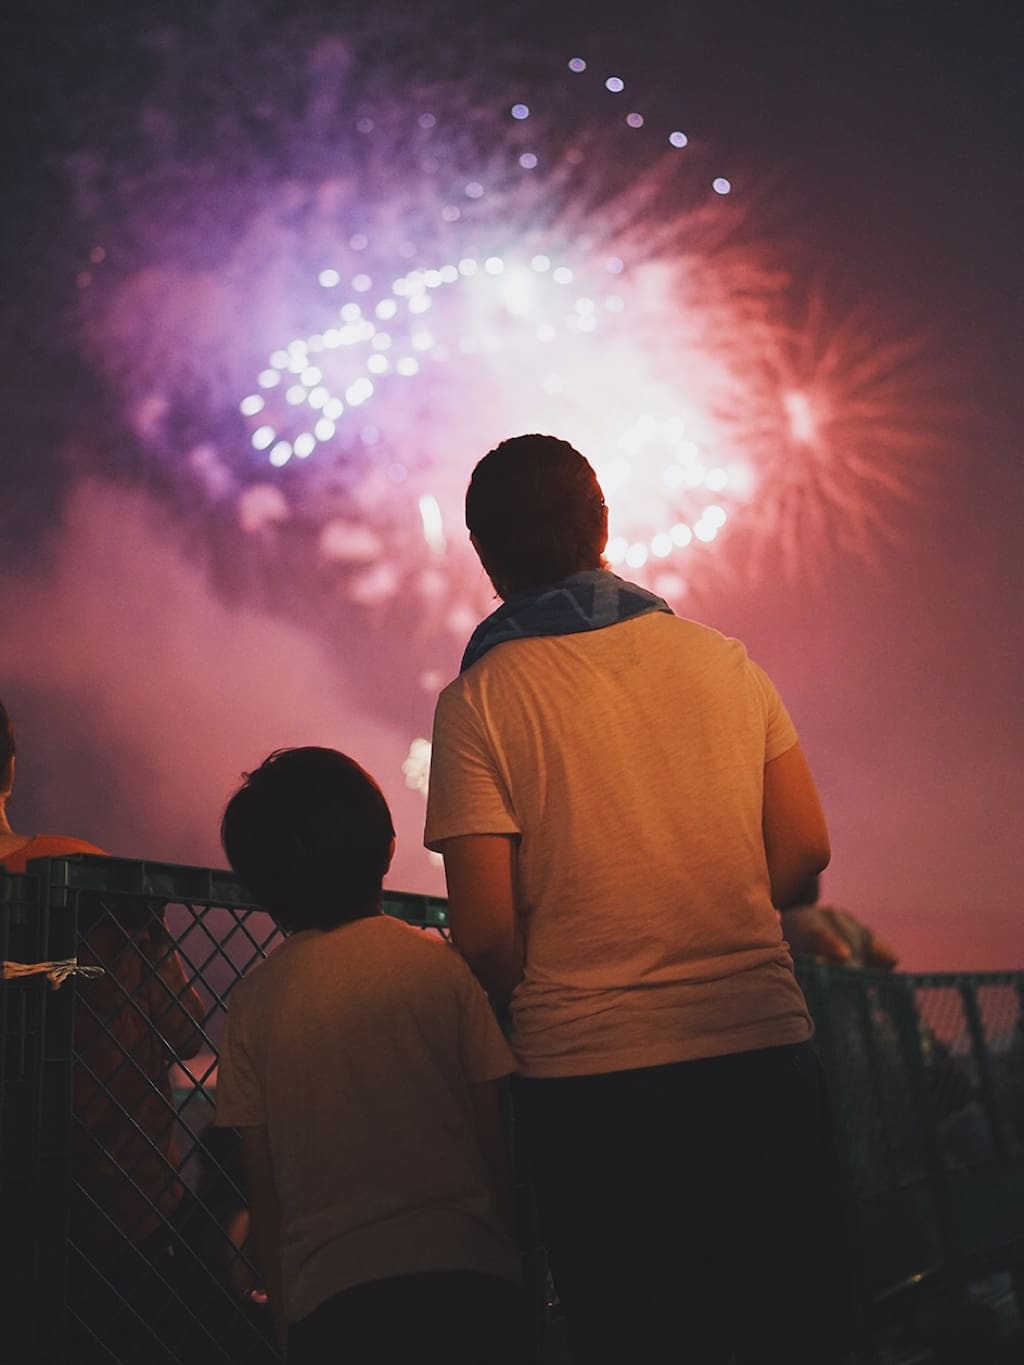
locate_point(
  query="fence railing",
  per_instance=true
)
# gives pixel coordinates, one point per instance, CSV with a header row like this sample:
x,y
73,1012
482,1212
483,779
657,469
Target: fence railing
x,y
123,1209
927,1076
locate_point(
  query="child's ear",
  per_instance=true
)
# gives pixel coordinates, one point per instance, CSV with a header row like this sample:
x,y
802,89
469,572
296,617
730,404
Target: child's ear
x,y
391,854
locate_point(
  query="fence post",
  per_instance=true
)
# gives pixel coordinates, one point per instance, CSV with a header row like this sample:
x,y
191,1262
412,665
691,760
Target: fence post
x,y
989,1095
35,1109
58,908
817,980
909,1025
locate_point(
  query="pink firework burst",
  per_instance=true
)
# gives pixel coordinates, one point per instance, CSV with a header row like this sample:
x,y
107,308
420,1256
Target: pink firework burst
x,y
321,313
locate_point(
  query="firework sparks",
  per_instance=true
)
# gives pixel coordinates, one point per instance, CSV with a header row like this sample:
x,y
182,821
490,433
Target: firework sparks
x,y
416,766
503,344
325,322
321,291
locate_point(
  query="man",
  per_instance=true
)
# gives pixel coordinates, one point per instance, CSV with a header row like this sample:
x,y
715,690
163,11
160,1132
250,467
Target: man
x,y
621,803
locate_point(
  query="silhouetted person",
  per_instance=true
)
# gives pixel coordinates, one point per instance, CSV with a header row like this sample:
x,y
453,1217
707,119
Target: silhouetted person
x,y
131,1024
360,1062
16,850
621,801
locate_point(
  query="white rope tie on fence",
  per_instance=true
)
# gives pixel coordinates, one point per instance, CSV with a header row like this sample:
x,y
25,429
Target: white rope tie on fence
x,y
56,972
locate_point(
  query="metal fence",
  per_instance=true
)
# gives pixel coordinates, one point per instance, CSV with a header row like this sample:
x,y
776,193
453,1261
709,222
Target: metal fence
x,y
124,1215
927,1075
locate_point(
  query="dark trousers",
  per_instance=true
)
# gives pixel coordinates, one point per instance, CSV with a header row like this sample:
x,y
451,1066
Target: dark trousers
x,y
162,1302
693,1211
127,1309
456,1317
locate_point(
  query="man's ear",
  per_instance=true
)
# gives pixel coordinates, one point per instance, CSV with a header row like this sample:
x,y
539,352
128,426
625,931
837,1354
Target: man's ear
x,y
391,855
482,556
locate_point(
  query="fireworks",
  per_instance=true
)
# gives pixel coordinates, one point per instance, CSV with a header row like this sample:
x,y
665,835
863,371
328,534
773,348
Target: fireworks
x,y
416,766
326,321
504,321
501,344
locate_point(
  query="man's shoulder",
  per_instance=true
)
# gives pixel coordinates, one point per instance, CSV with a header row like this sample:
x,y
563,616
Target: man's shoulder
x,y
678,643
470,690
497,675
685,628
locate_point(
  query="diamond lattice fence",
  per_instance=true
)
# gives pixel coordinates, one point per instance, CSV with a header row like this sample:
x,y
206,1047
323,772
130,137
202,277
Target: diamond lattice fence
x,y
125,1215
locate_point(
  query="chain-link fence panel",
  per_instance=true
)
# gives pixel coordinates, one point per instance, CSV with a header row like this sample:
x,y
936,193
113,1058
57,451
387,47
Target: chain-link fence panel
x,y
926,1076
36,1071
135,1241
129,1238
869,1040
973,1028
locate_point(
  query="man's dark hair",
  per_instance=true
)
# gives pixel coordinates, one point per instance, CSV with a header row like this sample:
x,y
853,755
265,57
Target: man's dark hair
x,y
537,511
309,833
7,748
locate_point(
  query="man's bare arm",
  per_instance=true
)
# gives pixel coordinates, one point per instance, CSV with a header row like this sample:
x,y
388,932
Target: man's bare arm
x,y
480,871
796,838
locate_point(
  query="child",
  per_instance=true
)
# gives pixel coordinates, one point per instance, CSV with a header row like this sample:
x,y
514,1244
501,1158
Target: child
x,y
361,1062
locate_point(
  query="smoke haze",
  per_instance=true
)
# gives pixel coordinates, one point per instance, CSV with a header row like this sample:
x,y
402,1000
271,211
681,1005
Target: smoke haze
x,y
139,696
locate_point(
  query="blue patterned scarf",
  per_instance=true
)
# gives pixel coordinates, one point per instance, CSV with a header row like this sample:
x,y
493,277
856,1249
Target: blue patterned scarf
x,y
590,600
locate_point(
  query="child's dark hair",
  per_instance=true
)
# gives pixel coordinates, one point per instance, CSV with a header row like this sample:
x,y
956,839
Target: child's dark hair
x,y
309,833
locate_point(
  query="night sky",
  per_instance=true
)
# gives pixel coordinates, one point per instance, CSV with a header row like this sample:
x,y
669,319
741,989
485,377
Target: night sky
x,y
881,145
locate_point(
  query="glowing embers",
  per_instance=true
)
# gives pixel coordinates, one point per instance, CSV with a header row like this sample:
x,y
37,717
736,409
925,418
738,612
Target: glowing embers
x,y
615,85
433,525
416,767
451,359
803,422
486,297
310,387
653,453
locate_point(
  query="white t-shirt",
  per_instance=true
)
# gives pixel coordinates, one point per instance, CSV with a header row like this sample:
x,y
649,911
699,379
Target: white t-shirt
x,y
630,763
356,1047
